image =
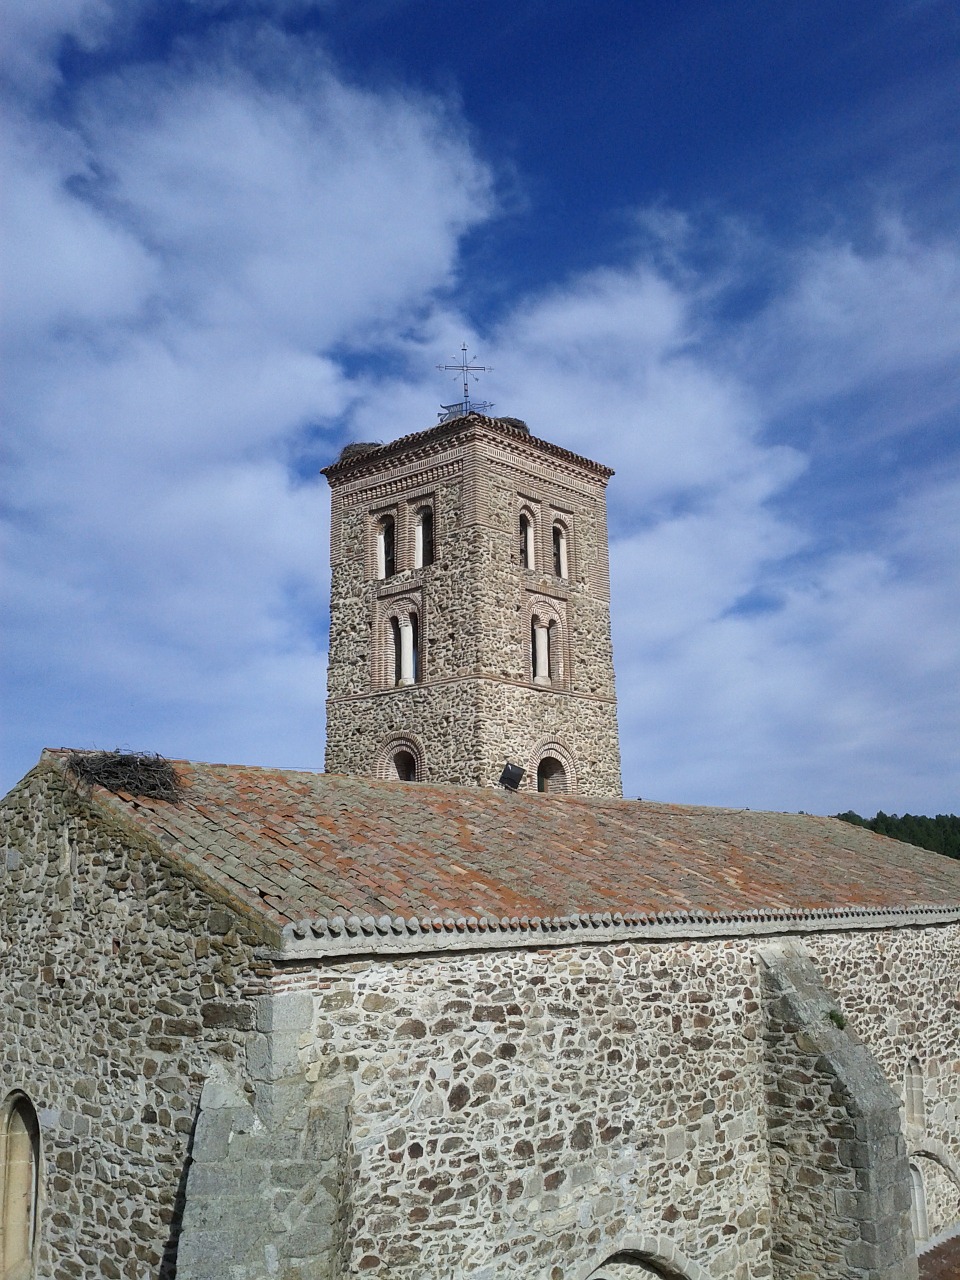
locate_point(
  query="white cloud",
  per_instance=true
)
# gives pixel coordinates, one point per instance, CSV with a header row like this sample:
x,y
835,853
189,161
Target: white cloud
x,y
853,319
183,259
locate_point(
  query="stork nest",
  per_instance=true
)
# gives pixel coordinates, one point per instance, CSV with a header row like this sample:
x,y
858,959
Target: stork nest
x,y
140,773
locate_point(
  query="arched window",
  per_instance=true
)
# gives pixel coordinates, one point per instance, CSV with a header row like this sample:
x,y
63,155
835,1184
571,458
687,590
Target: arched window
x,y
403,648
528,556
19,1182
918,1207
387,547
560,550
400,759
423,538
913,1093
405,764
551,775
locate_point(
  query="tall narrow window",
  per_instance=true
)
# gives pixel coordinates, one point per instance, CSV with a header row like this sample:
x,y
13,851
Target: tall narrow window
x,y
560,550
414,648
396,648
553,652
19,1177
404,647
387,548
423,545
913,1093
528,557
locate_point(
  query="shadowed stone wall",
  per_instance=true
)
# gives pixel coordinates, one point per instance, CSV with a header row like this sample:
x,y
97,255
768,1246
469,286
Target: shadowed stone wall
x,y
121,986
839,1178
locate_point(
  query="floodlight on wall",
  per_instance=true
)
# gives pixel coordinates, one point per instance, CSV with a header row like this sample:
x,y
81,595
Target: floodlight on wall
x,y
512,776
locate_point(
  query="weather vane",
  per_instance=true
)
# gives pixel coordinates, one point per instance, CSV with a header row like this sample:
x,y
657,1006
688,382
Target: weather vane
x,y
466,370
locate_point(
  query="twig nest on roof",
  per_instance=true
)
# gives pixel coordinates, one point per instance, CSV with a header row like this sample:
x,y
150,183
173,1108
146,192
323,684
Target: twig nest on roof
x,y
139,773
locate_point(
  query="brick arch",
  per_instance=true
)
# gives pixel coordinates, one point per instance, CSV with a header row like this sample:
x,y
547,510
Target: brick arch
x,y
551,747
389,748
644,1256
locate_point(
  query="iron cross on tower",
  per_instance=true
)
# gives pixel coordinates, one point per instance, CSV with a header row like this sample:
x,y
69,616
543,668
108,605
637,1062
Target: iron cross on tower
x,y
465,369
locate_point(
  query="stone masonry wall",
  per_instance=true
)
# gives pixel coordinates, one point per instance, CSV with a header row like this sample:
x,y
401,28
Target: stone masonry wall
x,y
900,991
531,1113
121,985
535,1112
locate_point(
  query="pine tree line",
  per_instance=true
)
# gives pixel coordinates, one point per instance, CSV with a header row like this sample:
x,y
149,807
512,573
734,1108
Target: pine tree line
x,y
941,834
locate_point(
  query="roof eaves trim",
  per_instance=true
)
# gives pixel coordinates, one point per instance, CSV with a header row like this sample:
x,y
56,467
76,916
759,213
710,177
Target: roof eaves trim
x,y
426,441
391,935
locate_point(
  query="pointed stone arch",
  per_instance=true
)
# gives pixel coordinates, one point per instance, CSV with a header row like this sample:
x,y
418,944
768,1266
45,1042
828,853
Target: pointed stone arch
x,y
643,1258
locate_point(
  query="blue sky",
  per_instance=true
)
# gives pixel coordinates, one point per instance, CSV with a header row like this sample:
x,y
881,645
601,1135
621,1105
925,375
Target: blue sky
x,y
712,244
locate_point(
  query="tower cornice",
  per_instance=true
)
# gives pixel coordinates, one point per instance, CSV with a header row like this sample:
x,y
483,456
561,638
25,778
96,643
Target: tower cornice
x,y
474,426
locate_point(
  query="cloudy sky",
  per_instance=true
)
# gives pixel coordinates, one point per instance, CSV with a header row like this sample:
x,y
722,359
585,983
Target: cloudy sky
x,y
713,243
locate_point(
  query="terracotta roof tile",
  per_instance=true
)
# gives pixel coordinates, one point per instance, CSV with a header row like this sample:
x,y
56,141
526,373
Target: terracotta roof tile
x,y
322,845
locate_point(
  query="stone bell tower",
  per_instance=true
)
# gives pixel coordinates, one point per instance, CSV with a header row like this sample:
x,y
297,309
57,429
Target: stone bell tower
x,y
470,611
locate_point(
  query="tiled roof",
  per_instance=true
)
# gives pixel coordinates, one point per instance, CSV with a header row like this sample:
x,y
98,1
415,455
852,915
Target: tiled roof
x,y
942,1262
298,846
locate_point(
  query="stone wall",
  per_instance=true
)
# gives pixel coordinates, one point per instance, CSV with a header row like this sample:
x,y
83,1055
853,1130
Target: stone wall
x,y
536,1112
475,705
532,1113
900,991
484,1115
121,986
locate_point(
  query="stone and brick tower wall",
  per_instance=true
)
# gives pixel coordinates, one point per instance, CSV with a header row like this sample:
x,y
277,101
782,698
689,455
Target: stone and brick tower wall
x,y
470,611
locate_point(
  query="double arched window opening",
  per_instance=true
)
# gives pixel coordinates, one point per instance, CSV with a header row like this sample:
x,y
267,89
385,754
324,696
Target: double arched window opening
x,y
19,1187
390,556
405,648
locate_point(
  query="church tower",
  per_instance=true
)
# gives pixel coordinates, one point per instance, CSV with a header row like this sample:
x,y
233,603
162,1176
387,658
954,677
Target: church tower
x,y
470,611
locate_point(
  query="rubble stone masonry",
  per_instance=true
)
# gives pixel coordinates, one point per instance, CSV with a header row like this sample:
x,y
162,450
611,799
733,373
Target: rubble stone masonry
x,y
123,985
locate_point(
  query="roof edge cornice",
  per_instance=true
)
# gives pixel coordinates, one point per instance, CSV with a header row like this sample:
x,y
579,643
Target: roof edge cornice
x,y
428,442
396,935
